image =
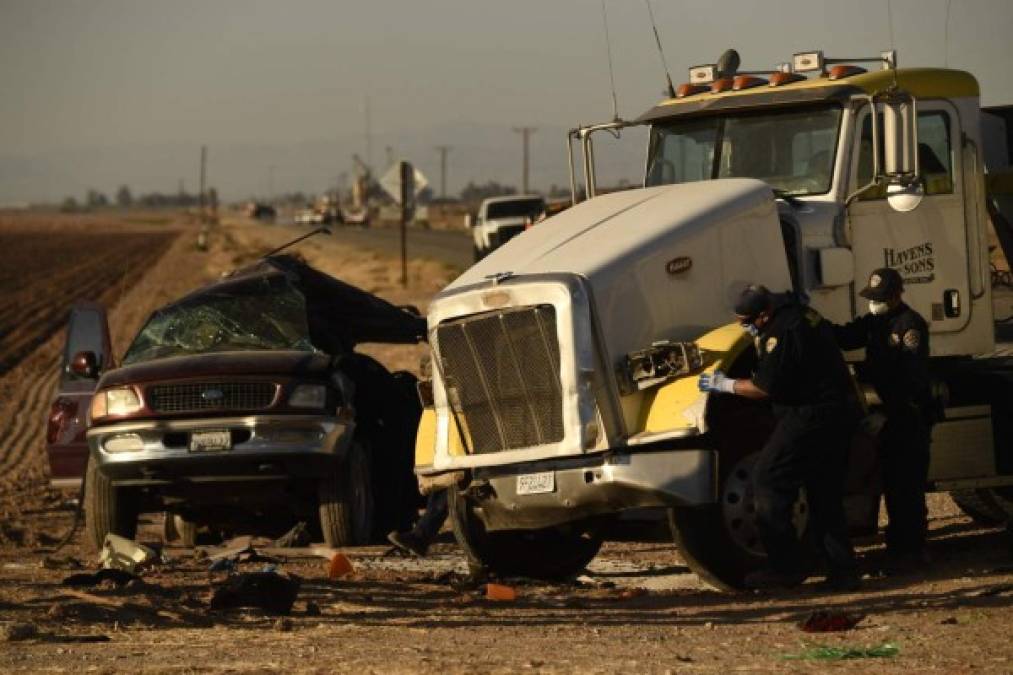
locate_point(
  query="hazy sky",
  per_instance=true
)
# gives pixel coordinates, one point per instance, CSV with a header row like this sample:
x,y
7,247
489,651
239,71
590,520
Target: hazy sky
x,y
100,92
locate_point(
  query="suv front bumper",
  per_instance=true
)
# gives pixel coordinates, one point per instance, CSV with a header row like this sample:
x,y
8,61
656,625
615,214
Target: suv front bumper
x,y
264,447
591,486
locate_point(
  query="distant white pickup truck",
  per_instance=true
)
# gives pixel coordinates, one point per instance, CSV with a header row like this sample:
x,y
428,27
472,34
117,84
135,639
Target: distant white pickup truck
x,y
502,218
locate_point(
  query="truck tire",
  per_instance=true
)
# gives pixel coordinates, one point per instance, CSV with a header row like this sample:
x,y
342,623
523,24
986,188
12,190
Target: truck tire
x,y
176,528
552,553
345,500
719,542
981,506
107,509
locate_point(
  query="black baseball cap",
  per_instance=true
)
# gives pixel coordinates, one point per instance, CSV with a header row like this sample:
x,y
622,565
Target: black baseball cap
x,y
753,300
884,283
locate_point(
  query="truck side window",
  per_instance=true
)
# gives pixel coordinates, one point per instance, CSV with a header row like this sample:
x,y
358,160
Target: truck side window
x,y
934,155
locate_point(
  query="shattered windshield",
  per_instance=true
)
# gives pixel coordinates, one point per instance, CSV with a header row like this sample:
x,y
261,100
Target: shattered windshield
x,y
265,313
792,150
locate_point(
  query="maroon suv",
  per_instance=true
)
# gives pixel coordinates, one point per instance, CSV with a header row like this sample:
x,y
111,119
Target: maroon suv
x,y
244,405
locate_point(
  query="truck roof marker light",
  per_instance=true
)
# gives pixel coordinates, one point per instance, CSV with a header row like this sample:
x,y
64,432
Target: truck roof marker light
x,y
781,78
689,89
845,70
808,62
747,82
724,84
704,74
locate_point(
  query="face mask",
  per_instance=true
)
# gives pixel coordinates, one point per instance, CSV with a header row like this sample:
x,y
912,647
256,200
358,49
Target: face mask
x,y
876,307
750,328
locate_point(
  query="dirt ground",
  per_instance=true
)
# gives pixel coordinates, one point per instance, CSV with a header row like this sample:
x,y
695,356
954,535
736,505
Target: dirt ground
x,y
637,610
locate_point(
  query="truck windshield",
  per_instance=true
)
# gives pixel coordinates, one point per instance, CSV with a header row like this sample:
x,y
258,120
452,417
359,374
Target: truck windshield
x,y
267,313
518,208
791,149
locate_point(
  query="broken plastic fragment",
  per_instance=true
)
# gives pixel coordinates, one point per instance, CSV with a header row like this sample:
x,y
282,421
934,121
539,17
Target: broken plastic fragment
x,y
500,592
339,566
125,554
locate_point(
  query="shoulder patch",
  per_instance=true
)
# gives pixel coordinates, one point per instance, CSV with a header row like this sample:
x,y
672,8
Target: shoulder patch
x,y
894,339
771,344
912,339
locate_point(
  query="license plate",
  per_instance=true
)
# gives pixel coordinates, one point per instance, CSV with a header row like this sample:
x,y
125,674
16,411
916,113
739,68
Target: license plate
x,y
210,441
536,483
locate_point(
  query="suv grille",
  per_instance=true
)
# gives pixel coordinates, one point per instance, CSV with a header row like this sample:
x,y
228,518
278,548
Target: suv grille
x,y
210,396
501,372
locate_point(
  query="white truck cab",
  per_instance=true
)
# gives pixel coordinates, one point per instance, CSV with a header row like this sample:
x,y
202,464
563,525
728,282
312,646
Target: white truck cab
x,y
500,219
566,363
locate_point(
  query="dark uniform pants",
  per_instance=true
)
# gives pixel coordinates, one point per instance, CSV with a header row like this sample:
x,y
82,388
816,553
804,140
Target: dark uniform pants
x,y
807,449
904,453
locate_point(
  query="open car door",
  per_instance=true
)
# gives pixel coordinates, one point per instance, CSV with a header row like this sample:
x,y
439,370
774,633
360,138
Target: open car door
x,y
86,355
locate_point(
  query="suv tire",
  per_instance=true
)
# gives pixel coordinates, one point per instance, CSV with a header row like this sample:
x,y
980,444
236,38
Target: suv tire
x,y
107,510
345,499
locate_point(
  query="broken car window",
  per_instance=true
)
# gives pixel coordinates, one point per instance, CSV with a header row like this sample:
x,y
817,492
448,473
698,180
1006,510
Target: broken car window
x,y
265,313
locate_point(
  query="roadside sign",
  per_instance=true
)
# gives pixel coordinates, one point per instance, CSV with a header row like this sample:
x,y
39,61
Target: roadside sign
x,y
391,182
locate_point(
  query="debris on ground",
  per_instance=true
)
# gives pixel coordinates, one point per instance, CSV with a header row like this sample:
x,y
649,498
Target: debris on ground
x,y
824,621
238,550
299,535
283,625
118,578
125,554
271,591
66,562
842,653
338,566
312,608
16,632
500,593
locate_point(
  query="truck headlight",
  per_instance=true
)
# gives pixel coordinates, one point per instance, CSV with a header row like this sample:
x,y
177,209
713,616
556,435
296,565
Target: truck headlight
x,y
308,396
115,402
661,362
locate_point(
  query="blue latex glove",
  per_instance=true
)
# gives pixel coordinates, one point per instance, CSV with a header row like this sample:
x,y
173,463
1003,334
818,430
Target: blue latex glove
x,y
716,382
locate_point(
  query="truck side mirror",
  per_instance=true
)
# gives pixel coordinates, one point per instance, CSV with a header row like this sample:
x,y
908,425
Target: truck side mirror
x,y
904,190
85,364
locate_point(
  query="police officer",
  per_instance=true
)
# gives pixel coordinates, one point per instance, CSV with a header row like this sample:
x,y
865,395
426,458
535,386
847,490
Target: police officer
x,y
896,340
803,373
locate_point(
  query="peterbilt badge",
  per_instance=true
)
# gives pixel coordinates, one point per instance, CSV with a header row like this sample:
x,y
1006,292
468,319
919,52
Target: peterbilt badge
x,y
679,265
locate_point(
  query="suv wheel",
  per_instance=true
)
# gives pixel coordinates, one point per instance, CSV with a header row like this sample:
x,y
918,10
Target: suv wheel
x,y
107,510
345,500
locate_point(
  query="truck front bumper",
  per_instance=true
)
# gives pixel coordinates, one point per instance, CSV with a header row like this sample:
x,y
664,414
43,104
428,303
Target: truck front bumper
x,y
264,447
591,486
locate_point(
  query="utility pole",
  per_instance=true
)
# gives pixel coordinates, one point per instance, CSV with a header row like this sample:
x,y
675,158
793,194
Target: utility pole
x,y
443,150
525,133
203,179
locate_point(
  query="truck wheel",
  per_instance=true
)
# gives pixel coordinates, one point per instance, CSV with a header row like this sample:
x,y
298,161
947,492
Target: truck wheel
x,y
345,499
720,542
981,506
107,510
551,553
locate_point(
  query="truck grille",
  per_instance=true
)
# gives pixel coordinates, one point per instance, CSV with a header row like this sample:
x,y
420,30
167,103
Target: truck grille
x,y
210,396
501,373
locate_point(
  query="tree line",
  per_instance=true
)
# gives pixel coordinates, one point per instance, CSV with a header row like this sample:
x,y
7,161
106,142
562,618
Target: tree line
x,y
125,199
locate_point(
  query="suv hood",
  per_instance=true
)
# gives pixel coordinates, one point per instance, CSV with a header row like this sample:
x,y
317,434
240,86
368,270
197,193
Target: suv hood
x,y
311,365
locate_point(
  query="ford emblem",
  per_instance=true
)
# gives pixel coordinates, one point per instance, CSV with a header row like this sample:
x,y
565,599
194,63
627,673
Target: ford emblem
x,y
213,394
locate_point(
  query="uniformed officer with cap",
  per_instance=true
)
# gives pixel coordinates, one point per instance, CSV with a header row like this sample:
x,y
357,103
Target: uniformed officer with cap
x,y
802,372
896,342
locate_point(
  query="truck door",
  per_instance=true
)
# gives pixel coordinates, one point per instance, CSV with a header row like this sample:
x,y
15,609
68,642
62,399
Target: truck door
x,y
929,245
87,332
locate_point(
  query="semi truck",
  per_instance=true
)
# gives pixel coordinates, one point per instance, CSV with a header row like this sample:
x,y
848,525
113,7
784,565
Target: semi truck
x,y
566,363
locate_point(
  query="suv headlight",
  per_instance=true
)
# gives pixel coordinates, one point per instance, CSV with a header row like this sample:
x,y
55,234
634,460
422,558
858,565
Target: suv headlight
x,y
115,402
308,396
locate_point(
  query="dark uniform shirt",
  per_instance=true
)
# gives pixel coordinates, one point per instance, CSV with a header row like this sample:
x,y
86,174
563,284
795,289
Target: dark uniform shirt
x,y
799,361
896,356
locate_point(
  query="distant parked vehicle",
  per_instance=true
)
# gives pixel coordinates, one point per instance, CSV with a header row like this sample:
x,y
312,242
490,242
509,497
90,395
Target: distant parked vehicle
x,y
500,219
243,405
